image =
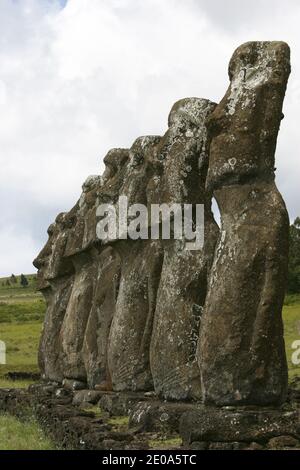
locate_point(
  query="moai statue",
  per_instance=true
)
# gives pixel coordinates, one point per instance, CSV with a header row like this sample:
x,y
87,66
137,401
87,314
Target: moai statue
x,y
107,278
130,334
77,277
241,349
55,281
102,189
80,252
183,157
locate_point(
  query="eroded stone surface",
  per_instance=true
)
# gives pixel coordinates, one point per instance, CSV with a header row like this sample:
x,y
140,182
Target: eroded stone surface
x,y
55,280
68,418
183,156
241,350
240,425
125,314
100,317
106,321
131,329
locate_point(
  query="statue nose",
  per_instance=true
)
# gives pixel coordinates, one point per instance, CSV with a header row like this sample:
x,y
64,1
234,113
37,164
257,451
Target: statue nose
x,y
38,263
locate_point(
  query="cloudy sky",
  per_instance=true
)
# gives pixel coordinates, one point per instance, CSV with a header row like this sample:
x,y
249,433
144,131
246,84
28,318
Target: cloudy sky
x,y
79,77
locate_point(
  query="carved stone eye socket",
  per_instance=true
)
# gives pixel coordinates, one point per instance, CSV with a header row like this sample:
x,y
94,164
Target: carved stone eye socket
x,y
70,222
105,198
109,171
137,160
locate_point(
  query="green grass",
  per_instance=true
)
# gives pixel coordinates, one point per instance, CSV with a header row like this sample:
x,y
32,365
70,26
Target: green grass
x,y
19,435
21,341
165,443
292,299
94,409
291,318
6,383
21,304
22,312
27,310
17,288
119,421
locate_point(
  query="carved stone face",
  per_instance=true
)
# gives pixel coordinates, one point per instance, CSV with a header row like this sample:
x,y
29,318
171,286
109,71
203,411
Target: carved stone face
x,y
50,261
131,176
243,128
82,213
139,169
181,154
42,259
116,161
251,57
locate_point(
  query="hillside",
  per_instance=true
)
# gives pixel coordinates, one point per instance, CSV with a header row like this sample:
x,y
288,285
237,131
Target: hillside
x,y
22,311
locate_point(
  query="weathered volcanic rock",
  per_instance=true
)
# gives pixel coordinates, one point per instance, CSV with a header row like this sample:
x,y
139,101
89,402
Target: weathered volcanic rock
x,y
50,349
108,265
76,317
131,329
100,317
240,425
84,397
50,261
77,277
84,266
155,415
124,314
91,306
183,157
55,280
241,349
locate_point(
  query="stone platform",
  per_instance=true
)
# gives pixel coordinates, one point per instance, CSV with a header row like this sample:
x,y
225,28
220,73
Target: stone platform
x,y
91,419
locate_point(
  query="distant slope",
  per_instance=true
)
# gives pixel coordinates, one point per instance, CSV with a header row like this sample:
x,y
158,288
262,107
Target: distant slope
x,y
20,304
22,311
16,288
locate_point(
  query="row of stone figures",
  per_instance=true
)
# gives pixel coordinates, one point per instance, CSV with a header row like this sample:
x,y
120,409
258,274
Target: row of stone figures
x,y
148,314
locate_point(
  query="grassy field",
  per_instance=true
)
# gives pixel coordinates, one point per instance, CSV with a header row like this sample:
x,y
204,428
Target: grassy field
x,y
21,315
291,318
19,435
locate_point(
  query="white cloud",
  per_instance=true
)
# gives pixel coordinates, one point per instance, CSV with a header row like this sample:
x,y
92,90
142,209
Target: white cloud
x,y
77,81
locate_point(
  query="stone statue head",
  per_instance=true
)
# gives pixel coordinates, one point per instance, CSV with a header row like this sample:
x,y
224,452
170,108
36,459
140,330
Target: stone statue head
x,y
50,262
244,126
182,153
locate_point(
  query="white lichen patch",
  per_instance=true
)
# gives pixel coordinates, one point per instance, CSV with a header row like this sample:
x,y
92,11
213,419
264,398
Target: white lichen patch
x,y
91,182
248,78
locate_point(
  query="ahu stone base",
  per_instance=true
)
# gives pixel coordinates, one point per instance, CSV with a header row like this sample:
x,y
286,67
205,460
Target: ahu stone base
x,y
95,419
